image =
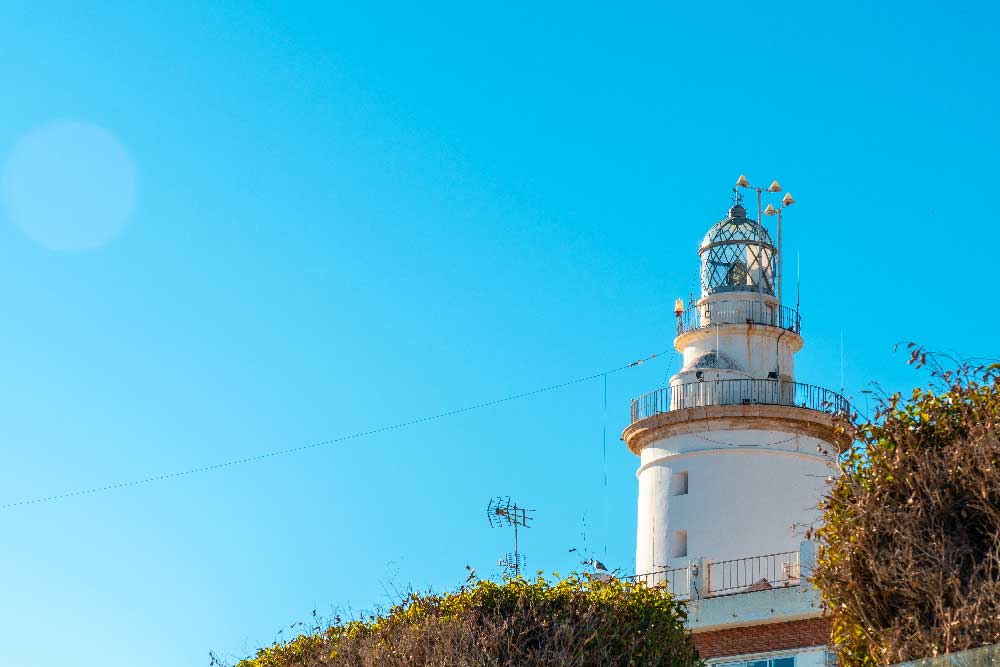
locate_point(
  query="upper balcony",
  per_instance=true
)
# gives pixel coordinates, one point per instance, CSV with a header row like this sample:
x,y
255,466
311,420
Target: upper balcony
x,y
728,577
739,311
739,392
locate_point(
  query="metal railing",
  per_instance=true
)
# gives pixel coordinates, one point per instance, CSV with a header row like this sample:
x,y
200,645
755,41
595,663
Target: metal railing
x,y
676,580
739,311
739,392
727,577
757,573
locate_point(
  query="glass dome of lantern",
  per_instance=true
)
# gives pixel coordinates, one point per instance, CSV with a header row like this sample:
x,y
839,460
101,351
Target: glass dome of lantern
x,y
737,255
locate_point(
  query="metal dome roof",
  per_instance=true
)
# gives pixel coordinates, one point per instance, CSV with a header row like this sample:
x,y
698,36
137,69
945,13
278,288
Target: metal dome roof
x,y
737,227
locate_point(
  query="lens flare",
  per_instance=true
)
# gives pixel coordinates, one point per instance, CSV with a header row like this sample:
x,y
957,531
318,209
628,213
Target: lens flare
x,y
69,186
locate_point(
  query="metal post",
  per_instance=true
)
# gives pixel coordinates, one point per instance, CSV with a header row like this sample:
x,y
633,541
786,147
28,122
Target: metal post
x,y
760,244
759,195
777,264
517,556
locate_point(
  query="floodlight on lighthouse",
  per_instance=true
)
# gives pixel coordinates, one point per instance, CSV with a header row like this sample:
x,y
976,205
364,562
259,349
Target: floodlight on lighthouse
x,y
787,200
774,187
742,182
679,307
770,210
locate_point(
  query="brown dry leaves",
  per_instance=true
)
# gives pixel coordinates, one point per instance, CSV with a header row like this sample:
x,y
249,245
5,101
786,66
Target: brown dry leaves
x,y
909,563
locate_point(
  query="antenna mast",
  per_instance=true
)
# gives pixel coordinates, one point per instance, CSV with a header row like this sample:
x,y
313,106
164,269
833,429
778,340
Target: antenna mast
x,y
503,512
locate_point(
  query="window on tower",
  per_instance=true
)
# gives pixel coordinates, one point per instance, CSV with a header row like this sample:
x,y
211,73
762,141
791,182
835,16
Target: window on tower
x,y
679,544
679,483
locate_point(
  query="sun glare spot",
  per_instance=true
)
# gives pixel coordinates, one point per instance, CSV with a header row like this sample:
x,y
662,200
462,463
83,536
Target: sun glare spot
x,y
69,186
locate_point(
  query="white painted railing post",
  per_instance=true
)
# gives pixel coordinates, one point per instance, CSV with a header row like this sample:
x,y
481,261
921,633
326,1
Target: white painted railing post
x,y
699,582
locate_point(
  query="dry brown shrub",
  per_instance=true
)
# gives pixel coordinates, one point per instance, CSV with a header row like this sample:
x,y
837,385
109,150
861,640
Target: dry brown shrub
x,y
909,557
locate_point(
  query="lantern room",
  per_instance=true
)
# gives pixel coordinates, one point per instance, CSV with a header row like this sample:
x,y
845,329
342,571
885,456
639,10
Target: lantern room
x,y
737,255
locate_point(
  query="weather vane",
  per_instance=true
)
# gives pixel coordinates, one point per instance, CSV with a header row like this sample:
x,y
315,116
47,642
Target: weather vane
x,y
502,512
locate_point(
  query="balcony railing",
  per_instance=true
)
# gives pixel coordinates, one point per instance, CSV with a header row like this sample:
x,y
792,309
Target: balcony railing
x,y
744,575
705,578
676,581
739,392
739,311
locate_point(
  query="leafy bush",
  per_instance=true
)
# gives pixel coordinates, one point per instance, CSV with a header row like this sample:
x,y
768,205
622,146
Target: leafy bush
x,y
909,557
579,621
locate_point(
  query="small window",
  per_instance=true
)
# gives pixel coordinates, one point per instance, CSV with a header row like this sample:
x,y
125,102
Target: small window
x,y
784,661
679,483
679,544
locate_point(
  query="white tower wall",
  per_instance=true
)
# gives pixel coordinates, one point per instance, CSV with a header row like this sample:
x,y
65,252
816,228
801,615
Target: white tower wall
x,y
754,352
732,493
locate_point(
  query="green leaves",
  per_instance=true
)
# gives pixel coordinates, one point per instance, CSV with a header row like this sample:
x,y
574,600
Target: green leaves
x,y
579,620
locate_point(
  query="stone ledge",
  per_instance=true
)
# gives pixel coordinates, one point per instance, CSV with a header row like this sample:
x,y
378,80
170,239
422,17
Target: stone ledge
x,y
732,417
775,605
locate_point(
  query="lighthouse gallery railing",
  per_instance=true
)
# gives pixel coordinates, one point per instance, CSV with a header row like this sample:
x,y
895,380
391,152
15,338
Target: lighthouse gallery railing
x,y
739,392
739,311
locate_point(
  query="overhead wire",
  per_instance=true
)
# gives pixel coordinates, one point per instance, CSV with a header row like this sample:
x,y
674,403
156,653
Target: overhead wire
x,y
736,444
323,443
604,461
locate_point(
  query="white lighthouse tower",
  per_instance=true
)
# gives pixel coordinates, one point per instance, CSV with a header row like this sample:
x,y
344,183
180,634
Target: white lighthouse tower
x,y
734,452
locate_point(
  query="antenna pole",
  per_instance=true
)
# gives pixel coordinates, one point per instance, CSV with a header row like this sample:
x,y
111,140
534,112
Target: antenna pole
x,y
777,268
841,361
798,281
760,192
517,555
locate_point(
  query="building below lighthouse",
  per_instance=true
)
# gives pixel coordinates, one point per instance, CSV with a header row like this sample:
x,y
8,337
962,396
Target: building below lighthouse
x,y
733,458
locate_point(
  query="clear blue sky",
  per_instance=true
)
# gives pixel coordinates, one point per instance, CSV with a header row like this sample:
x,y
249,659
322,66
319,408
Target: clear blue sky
x,y
345,217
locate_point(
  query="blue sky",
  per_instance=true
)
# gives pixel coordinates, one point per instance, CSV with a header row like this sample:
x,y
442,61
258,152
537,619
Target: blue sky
x,y
342,217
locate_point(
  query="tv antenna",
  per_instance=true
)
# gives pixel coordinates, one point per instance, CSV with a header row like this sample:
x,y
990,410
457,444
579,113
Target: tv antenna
x,y
502,512
512,562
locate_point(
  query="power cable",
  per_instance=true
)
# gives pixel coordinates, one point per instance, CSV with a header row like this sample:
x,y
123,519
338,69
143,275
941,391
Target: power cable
x,y
604,462
344,438
734,444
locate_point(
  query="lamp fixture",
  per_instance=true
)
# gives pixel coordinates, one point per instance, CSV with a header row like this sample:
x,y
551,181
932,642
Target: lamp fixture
x,y
786,201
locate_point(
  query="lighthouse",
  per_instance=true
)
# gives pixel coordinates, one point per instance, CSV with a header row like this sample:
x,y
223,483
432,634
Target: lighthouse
x,y
734,454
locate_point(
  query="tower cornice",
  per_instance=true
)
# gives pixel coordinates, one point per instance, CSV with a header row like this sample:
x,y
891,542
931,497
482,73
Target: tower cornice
x,y
834,429
793,340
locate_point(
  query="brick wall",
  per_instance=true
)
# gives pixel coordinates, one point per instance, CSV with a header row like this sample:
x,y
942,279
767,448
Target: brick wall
x,y
761,638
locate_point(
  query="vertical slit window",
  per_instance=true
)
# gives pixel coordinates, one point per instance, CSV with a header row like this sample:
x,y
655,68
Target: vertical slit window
x,y
679,483
679,544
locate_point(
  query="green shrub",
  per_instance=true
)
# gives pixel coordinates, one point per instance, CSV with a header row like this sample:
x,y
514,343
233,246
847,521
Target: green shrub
x,y
579,621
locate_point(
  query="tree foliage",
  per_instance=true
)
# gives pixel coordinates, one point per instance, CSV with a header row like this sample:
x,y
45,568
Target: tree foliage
x,y
909,557
579,621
